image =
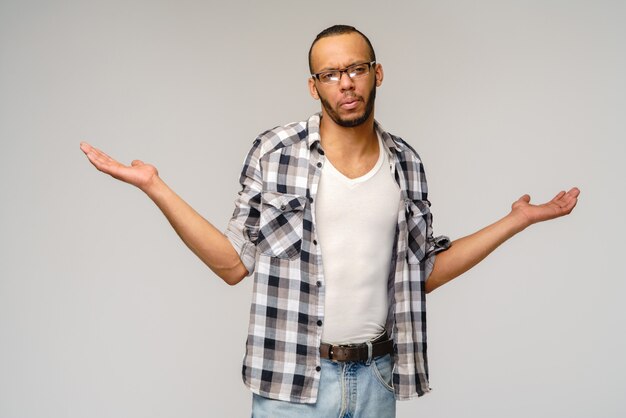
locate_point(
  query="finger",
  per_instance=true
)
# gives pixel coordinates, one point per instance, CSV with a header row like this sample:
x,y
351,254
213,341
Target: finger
x,y
522,201
571,194
571,200
571,205
568,200
85,147
559,200
136,163
95,155
99,162
102,161
102,155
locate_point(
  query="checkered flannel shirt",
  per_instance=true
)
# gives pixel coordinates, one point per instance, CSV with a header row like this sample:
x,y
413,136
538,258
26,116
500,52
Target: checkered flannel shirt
x,y
273,230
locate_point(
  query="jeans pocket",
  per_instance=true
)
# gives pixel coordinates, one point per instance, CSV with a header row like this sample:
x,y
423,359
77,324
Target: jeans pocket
x,y
382,367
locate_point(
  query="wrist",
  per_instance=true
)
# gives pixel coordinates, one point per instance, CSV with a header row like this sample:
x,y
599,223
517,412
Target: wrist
x,y
518,221
154,187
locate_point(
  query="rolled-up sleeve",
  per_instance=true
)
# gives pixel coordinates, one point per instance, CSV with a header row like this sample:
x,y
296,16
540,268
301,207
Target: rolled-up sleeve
x,y
436,245
243,227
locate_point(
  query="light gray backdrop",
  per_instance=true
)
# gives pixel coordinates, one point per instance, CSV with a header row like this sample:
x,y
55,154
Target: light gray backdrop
x,y
105,313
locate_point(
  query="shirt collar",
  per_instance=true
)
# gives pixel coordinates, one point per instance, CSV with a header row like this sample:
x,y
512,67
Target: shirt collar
x,y
313,127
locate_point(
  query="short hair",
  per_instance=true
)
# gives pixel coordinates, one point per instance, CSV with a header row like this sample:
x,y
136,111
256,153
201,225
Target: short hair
x,y
340,30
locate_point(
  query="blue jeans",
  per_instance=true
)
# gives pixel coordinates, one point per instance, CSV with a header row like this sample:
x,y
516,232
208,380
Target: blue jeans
x,y
347,390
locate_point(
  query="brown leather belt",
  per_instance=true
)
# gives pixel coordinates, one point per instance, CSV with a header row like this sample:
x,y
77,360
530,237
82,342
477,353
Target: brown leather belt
x,y
357,352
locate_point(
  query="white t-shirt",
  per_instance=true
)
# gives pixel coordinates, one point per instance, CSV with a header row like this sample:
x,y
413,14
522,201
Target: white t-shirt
x,y
356,222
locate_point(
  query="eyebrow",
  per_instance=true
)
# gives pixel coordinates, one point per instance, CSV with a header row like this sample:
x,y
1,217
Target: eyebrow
x,y
323,70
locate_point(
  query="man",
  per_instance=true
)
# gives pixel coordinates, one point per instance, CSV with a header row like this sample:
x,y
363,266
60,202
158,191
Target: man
x,y
333,221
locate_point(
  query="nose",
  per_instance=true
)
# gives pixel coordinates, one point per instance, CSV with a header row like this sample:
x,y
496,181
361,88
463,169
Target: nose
x,y
346,83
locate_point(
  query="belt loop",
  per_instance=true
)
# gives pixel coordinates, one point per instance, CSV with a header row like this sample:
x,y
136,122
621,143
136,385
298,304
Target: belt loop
x,y
369,353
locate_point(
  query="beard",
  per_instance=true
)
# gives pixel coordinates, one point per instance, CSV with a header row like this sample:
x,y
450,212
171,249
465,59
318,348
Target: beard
x,y
356,120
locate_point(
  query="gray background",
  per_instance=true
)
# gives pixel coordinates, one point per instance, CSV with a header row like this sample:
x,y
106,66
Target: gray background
x,y
105,313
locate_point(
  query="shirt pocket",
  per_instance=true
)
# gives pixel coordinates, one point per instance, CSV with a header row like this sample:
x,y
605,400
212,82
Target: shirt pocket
x,y
281,224
418,221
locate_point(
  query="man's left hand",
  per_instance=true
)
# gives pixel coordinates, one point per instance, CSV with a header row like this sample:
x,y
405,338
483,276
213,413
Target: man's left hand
x,y
561,204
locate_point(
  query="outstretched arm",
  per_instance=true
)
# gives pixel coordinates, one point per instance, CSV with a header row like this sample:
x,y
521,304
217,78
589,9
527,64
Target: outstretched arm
x,y
468,251
206,241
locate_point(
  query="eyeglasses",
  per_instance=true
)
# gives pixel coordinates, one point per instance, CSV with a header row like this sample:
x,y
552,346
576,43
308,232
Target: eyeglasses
x,y
353,71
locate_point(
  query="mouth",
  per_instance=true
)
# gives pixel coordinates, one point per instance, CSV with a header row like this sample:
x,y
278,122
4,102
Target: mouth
x,y
349,103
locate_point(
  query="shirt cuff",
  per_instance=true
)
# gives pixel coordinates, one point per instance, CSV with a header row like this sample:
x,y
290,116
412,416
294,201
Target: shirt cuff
x,y
440,243
244,247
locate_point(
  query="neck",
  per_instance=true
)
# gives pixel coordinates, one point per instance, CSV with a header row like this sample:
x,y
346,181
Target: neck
x,y
355,141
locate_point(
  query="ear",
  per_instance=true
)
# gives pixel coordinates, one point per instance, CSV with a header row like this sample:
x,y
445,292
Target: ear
x,y
313,89
379,74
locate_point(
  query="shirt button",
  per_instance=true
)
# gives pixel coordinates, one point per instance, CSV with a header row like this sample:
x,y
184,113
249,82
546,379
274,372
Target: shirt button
x,y
283,207
319,284
319,165
319,322
318,368
310,200
314,242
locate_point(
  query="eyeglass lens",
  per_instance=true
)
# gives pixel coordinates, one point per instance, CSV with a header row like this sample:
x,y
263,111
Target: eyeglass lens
x,y
354,71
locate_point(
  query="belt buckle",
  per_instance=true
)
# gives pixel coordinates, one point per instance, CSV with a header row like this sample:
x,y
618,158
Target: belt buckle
x,y
333,346
331,351
350,346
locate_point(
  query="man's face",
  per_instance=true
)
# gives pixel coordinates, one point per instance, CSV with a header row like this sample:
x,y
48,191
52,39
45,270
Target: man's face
x,y
350,102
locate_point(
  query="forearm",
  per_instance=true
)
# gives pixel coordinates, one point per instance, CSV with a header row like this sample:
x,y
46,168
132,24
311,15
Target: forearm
x,y
468,251
202,238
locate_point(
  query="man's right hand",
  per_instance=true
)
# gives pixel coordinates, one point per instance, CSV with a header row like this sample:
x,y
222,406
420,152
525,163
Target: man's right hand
x,y
206,241
138,173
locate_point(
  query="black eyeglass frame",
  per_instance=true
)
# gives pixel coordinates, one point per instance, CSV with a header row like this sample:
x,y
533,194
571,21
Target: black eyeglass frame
x,y
344,70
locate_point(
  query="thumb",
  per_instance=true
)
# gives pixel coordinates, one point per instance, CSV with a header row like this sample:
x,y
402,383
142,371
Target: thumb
x,y
136,163
525,199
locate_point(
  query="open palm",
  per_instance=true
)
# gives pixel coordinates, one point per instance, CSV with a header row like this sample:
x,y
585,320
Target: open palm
x,y
561,204
138,173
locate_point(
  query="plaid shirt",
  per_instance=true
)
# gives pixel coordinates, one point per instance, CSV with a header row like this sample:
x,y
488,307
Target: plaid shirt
x,y
273,230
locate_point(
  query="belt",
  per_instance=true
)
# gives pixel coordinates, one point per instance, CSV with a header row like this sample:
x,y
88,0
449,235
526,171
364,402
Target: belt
x,y
357,352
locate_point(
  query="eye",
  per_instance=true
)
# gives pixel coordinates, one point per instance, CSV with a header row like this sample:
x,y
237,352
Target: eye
x,y
328,76
359,69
